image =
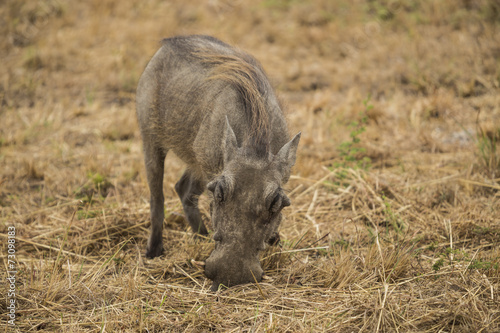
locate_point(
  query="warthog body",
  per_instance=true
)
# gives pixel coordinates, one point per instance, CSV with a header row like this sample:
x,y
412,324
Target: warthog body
x,y
213,106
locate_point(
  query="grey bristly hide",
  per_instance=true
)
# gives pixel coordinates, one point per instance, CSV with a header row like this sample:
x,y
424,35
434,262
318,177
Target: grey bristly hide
x,y
213,106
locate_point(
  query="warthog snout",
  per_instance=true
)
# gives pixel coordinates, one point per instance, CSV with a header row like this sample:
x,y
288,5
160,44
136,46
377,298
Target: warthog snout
x,y
229,268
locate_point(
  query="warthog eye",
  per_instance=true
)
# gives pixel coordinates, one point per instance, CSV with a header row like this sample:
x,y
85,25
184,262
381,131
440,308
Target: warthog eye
x,y
280,200
275,204
217,189
219,193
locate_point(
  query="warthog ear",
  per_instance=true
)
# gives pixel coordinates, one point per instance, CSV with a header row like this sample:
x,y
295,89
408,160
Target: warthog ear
x,y
287,155
229,143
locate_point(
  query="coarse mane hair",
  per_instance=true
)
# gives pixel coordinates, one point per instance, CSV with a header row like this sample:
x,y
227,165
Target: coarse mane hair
x,y
247,76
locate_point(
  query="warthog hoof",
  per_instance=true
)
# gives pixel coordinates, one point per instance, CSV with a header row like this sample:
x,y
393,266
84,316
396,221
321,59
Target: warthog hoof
x,y
154,251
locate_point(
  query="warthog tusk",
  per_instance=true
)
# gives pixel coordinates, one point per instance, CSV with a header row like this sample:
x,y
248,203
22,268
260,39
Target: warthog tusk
x,y
198,264
268,278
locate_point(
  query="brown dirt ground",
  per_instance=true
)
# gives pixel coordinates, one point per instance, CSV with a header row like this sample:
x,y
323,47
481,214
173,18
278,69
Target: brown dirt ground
x,y
409,243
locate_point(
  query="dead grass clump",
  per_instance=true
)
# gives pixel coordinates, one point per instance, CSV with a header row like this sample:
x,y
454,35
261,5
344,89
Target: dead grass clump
x,y
488,151
344,269
31,171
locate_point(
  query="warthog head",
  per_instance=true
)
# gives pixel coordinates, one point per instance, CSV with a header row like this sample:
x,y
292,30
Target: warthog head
x,y
246,209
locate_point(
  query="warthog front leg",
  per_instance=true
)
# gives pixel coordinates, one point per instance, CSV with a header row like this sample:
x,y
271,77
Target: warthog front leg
x,y
155,161
189,189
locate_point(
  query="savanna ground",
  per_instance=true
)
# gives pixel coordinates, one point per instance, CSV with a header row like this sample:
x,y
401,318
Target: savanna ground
x,y
394,224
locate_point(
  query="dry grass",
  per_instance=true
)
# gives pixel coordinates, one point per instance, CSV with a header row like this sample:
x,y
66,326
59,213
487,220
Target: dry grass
x,y
410,244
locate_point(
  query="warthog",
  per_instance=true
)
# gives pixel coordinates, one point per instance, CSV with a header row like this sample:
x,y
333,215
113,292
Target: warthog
x,y
213,106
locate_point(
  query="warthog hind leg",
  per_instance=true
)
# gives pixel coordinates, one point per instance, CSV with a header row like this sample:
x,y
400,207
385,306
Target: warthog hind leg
x,y
189,189
155,160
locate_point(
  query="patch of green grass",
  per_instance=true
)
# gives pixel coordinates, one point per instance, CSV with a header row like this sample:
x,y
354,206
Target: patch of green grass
x,y
100,182
432,246
86,214
392,218
484,265
351,151
383,11
456,256
341,243
491,11
438,264
97,187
